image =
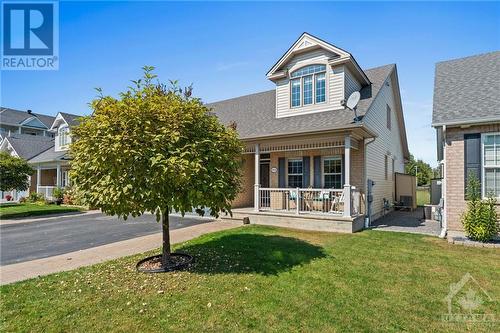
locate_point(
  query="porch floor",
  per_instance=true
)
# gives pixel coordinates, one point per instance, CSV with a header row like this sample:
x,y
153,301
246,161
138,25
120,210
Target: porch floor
x,y
334,222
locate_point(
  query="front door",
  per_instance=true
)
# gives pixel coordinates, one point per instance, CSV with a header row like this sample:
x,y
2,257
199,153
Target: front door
x,y
264,174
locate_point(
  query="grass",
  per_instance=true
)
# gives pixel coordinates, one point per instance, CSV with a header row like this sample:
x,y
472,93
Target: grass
x,y
8,211
423,197
264,279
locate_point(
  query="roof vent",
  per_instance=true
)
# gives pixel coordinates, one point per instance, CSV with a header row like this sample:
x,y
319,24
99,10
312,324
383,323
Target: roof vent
x,y
29,111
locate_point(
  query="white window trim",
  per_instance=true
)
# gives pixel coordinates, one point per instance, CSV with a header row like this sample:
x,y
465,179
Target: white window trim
x,y
335,157
63,129
483,167
294,174
301,85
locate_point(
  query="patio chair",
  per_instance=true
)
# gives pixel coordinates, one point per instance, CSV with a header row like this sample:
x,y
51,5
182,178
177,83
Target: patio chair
x,y
308,201
337,202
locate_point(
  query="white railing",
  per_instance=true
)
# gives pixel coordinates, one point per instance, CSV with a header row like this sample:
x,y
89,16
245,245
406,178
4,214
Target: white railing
x,y
46,191
302,201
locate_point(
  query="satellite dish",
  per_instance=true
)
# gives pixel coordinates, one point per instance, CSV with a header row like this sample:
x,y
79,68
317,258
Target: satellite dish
x,y
353,100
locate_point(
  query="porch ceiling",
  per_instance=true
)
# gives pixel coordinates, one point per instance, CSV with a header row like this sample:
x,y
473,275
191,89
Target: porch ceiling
x,y
302,144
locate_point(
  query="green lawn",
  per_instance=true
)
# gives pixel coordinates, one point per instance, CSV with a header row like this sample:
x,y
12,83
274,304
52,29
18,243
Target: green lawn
x,y
8,211
423,197
265,279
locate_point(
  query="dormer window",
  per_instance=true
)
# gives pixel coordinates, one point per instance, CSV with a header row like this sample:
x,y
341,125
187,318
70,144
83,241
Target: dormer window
x,y
63,135
308,85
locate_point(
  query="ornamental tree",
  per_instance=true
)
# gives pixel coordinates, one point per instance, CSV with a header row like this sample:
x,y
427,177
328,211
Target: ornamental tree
x,y
14,173
155,149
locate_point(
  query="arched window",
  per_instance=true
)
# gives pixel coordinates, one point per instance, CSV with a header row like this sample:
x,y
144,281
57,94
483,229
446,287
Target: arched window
x,y
63,136
308,85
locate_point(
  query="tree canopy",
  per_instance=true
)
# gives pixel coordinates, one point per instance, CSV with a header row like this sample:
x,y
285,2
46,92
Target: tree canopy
x,y
14,173
424,172
155,149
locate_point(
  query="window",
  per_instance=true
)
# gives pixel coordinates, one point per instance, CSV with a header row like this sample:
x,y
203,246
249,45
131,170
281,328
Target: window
x,y
388,117
63,134
295,173
491,164
308,85
308,90
332,172
295,92
320,88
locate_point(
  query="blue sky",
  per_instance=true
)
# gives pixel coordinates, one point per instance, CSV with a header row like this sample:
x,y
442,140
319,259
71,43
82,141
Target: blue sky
x,y
225,49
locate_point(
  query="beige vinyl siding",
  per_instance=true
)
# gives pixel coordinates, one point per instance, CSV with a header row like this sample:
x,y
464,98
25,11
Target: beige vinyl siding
x,y
387,142
351,84
334,85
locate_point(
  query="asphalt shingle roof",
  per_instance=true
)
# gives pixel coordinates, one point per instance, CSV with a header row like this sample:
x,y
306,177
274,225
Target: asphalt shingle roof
x,y
467,89
28,146
255,114
11,116
49,155
71,119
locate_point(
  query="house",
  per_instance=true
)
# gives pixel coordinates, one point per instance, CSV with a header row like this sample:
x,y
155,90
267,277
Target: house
x,y
466,116
47,154
24,122
308,160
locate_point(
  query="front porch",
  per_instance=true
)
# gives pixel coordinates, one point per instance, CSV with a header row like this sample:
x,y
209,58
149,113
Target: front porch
x,y
314,182
49,176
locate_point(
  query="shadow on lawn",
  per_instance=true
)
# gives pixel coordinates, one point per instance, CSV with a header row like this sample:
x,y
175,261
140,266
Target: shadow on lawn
x,y
251,253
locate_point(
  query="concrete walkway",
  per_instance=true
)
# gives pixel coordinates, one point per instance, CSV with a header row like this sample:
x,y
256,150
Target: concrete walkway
x,y
404,221
65,262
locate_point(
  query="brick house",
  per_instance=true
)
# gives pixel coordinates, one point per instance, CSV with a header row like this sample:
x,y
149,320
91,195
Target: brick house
x,y
466,115
309,161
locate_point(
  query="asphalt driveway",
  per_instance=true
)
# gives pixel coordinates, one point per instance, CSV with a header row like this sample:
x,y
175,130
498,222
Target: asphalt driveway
x,y
48,237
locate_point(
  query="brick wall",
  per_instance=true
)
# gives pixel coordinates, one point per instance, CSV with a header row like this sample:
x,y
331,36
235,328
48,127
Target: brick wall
x,y
455,172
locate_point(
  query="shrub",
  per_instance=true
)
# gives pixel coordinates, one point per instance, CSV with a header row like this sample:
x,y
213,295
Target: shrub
x,y
72,197
35,197
480,219
58,193
22,200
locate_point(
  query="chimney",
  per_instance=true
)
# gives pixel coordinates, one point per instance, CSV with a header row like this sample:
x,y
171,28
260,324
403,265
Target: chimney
x,y
29,111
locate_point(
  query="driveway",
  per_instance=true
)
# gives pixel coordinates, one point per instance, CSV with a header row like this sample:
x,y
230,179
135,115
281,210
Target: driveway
x,y
44,238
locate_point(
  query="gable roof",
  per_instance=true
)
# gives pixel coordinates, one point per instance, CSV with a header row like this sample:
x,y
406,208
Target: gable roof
x,y
307,42
466,90
27,146
68,118
255,114
17,117
50,155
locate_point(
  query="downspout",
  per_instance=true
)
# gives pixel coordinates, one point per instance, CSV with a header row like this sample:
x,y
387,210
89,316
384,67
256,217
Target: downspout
x,y
367,218
444,222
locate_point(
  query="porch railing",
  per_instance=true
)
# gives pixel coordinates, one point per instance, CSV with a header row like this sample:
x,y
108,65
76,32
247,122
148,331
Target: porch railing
x,y
46,191
308,201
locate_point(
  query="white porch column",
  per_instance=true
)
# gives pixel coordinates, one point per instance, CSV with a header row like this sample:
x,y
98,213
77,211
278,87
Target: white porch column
x,y
38,178
257,179
347,176
58,175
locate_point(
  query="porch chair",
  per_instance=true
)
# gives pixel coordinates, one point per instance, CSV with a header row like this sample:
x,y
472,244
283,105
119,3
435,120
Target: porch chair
x,y
337,202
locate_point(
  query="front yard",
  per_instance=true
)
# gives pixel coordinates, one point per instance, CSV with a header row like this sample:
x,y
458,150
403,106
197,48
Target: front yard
x,y
261,279
8,211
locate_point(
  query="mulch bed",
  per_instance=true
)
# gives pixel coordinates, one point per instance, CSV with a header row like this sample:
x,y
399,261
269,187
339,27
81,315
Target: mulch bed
x,y
153,264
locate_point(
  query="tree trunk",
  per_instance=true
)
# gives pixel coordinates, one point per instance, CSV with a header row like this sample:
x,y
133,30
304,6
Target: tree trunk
x,y
165,256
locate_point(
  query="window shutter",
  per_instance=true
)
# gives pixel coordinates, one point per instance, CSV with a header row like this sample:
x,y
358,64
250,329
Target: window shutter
x,y
343,171
472,157
317,171
306,171
281,172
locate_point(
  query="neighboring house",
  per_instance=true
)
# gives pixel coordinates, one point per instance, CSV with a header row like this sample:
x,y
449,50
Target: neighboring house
x,y
47,154
466,115
25,146
24,122
307,159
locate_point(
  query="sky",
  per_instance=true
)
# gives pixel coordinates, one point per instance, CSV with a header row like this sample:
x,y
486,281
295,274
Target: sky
x,y
225,49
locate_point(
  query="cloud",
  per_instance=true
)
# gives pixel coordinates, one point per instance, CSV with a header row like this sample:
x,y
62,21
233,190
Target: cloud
x,y
221,67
